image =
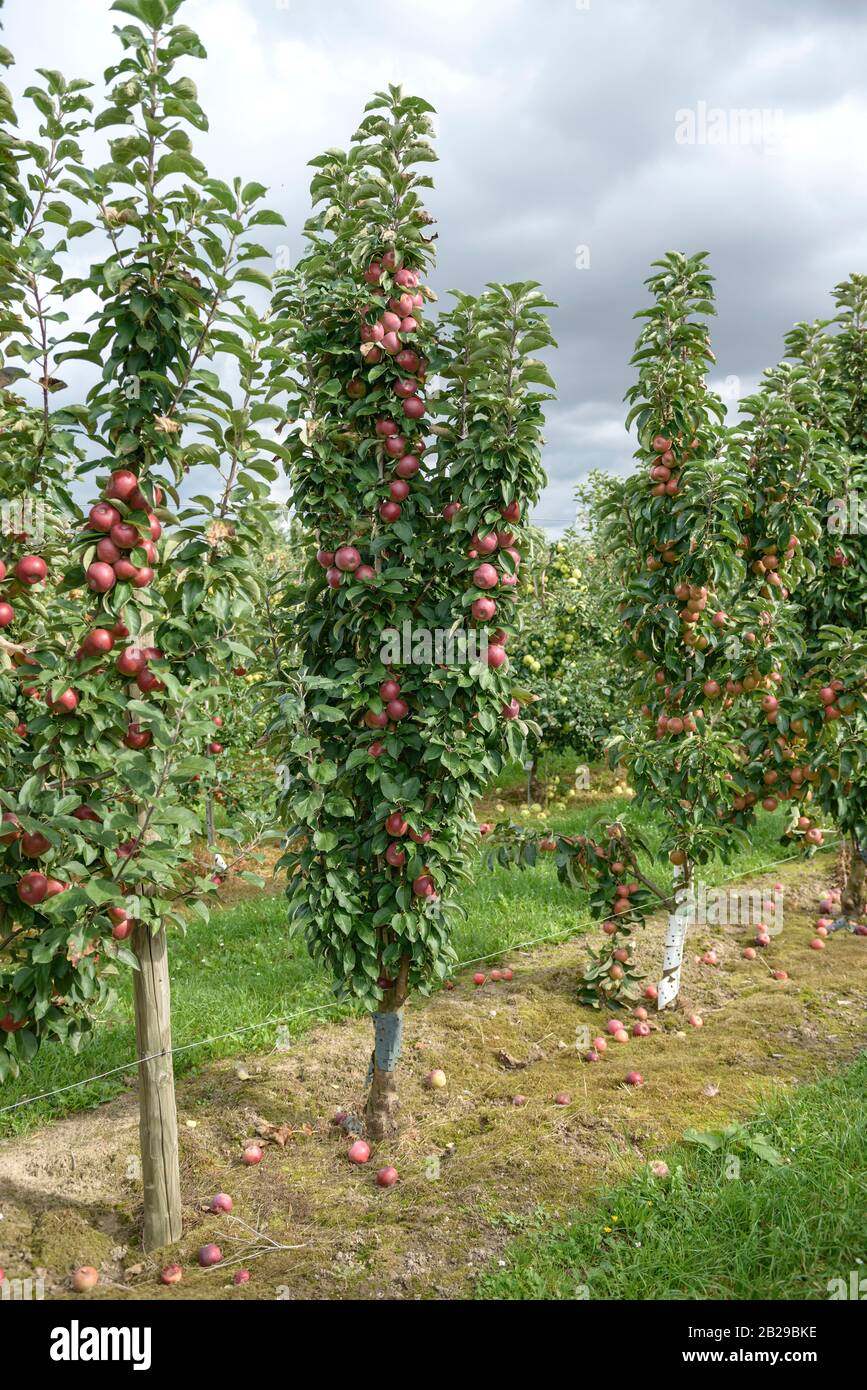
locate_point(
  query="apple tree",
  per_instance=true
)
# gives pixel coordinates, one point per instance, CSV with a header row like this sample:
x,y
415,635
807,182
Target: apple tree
x,y
413,502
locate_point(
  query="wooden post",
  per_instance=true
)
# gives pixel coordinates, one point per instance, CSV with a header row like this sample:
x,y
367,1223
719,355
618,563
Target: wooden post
x,y
158,1119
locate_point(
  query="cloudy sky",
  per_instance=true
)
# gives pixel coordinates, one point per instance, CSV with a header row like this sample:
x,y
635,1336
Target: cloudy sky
x,y
578,141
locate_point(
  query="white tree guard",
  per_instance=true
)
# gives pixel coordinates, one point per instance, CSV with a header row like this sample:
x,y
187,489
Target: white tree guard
x,y
672,959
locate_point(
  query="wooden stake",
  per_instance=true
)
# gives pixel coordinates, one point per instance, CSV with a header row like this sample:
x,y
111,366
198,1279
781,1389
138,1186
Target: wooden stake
x,y
158,1119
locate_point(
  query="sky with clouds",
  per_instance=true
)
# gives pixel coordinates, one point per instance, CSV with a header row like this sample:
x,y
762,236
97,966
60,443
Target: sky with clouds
x,y
565,154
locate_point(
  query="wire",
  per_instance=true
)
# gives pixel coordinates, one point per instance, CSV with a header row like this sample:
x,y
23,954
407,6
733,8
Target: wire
x,y
336,1004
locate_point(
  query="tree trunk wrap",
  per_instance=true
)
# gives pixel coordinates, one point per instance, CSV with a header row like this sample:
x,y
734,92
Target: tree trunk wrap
x,y
675,936
382,1100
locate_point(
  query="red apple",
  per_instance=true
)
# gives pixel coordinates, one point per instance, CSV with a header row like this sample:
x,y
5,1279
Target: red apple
x,y
31,569
485,577
347,558
209,1255
478,978
102,517
171,1274
395,856
84,1278
131,661
221,1202
122,485
396,825
563,1098
634,1078
252,1155
34,844
100,577
359,1152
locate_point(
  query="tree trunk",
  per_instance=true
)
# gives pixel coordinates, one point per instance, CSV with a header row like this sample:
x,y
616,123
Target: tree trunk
x,y
158,1120
669,984
381,1112
535,788
209,818
854,895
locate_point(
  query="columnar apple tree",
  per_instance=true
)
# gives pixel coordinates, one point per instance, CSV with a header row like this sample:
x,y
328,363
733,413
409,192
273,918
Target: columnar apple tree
x,y
414,537
818,394
122,675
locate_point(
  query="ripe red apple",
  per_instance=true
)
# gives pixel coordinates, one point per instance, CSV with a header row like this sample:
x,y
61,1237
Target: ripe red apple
x,y
376,749
485,577
710,958
386,1177
124,535
817,944
122,931
7,614
396,825
102,517
399,490
512,512
10,818
389,690
131,661
423,886
365,573
478,978
422,838
171,1274
483,609
640,1013
563,1098
215,748
347,558
142,577
137,738
34,844
511,710
695,1021
359,1152
122,485
749,953
591,1055
252,1154
333,578
641,1030
31,569
325,558
495,656
621,1036
407,466
98,642
100,577
613,1026
84,1278
634,1078
450,510
209,1255
395,856
221,1202
241,1276
413,408
397,710
376,719
780,975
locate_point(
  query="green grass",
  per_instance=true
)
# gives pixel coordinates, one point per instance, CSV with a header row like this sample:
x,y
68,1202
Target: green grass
x,y
770,1232
242,971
